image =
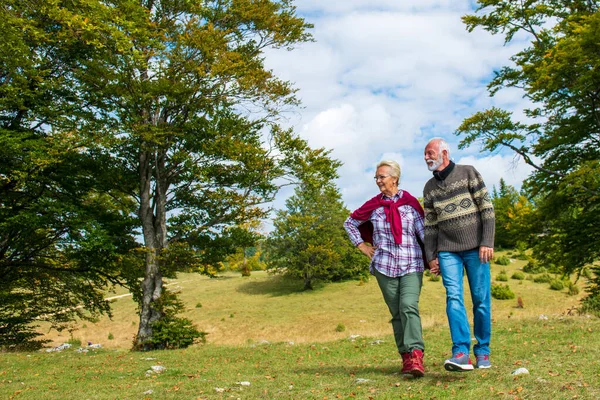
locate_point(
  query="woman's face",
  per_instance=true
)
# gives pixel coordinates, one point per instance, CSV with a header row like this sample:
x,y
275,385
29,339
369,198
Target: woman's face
x,y
387,184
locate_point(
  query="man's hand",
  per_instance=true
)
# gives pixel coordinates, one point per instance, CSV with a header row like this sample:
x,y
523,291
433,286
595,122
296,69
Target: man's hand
x,y
486,254
366,250
434,266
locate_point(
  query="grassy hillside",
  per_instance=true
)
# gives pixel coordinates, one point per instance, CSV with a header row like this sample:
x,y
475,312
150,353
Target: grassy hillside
x,y
267,340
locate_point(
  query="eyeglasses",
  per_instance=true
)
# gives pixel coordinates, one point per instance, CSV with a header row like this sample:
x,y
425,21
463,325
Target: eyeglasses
x,y
380,177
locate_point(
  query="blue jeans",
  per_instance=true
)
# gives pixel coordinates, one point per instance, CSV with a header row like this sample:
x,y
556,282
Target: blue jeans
x,y
452,266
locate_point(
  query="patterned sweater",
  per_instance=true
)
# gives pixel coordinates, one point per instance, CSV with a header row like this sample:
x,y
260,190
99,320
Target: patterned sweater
x,y
459,214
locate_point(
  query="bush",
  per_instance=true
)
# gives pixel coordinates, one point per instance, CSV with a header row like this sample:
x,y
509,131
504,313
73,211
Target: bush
x,y
518,275
556,284
533,266
340,328
502,260
543,278
171,331
591,305
502,277
502,292
573,290
435,278
110,336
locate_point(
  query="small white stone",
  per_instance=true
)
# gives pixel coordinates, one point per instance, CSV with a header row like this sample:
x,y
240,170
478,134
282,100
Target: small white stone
x,y
219,390
158,368
244,383
542,316
362,380
149,391
520,371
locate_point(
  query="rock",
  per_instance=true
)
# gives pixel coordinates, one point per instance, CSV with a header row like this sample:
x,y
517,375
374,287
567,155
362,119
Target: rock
x,y
59,348
353,337
158,369
362,380
542,316
520,371
244,383
378,342
149,391
219,390
94,346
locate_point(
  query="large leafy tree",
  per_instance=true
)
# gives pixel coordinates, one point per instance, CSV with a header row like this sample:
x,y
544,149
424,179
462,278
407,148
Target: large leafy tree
x,y
559,73
191,116
309,241
64,233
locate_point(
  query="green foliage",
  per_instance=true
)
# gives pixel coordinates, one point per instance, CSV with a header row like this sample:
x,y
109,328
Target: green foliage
x,y
502,260
558,73
111,336
340,327
543,278
518,275
503,200
572,289
556,284
502,276
502,292
435,278
171,331
591,305
533,266
309,241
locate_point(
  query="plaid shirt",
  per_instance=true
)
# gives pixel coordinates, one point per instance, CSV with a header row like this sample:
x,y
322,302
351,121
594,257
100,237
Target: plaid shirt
x,y
392,259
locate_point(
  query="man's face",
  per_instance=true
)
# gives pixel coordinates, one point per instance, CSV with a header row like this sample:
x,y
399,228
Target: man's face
x,y
433,157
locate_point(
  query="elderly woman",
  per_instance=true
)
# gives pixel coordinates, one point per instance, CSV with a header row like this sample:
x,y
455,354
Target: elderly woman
x,y
393,222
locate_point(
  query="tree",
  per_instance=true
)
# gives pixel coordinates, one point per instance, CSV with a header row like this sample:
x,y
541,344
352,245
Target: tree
x,y
64,233
503,200
309,241
559,74
190,115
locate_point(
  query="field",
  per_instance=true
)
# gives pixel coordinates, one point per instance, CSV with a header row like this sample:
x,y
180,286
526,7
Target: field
x,y
269,340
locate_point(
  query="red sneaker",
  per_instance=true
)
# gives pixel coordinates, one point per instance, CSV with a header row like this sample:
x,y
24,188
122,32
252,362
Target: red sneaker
x,y
417,369
406,363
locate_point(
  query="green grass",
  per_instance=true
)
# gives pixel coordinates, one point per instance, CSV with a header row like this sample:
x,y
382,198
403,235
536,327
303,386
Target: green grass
x,y
560,352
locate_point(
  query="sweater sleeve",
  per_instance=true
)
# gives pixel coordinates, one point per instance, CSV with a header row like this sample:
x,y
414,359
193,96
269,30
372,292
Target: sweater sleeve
x,y
485,207
431,226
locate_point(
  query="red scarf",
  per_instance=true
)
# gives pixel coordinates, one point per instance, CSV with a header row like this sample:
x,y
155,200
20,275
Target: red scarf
x,y
363,213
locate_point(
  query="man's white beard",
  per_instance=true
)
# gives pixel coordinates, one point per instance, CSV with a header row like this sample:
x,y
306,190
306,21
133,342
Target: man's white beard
x,y
436,164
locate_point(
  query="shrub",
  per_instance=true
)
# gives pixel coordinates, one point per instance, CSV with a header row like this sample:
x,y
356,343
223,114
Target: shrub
x,y
435,278
533,266
573,290
591,305
198,305
518,275
502,277
556,284
543,278
502,260
340,328
74,342
171,331
502,292
110,336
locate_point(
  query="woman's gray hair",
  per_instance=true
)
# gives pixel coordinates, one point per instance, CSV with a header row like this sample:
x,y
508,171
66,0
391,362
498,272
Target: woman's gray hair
x,y
443,145
394,168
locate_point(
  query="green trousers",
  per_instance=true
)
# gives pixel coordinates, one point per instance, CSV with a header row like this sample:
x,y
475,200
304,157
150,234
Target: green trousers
x,y
401,295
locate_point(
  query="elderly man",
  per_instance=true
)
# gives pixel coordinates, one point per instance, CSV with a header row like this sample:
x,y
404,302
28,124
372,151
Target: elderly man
x,y
459,237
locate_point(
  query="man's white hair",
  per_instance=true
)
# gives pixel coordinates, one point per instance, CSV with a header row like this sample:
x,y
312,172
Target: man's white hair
x,y
442,144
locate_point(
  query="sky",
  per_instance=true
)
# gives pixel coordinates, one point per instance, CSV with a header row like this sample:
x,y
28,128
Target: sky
x,y
385,76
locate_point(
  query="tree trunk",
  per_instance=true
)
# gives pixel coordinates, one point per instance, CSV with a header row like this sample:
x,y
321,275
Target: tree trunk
x,y
152,214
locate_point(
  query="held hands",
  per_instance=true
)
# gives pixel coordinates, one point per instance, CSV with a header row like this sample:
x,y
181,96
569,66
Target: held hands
x,y
486,254
366,250
434,266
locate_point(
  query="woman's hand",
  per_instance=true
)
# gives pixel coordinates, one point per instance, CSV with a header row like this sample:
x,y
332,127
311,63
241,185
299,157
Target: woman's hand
x,y
366,250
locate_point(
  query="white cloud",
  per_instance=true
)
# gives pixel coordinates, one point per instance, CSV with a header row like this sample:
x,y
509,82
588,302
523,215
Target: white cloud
x,y
384,76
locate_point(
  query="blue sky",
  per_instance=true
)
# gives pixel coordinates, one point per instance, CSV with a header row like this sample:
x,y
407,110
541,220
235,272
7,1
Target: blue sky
x,y
385,76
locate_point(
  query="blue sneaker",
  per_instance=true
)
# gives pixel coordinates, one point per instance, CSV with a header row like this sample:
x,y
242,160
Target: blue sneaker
x,y
458,363
483,361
